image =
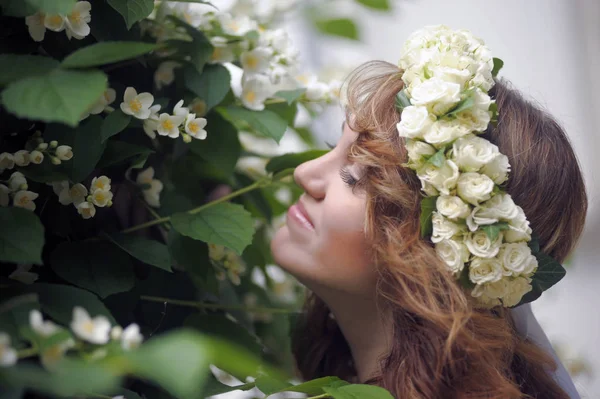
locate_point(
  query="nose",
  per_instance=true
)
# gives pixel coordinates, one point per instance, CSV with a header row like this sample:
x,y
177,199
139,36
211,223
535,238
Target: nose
x,y
312,176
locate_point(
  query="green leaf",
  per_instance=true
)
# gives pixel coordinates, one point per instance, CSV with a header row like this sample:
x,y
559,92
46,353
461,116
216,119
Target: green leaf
x,y
57,301
211,85
383,5
428,205
313,387
190,254
548,273
402,100
114,123
492,230
183,378
148,251
106,53
342,27
52,6
86,141
358,391
222,147
214,387
70,378
290,95
21,236
43,173
12,8
463,105
292,160
498,64
266,123
438,158
118,151
18,66
269,385
58,96
94,265
222,224
132,10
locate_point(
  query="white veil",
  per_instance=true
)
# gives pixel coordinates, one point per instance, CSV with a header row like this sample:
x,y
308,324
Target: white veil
x,y
528,326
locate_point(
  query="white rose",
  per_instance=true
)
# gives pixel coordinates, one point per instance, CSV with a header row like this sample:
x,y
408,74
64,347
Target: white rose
x,y
452,207
444,132
438,95
485,270
454,253
479,244
497,169
417,150
483,299
493,290
518,228
443,228
451,74
517,259
483,78
516,289
474,187
499,207
414,121
470,153
442,179
481,100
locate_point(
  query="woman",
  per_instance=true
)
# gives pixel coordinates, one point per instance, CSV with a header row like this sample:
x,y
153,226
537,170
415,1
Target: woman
x,y
384,305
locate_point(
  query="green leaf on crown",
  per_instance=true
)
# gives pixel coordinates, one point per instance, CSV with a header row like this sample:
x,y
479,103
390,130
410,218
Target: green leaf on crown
x,y
494,110
402,100
290,95
21,236
222,224
382,5
212,85
353,391
312,387
341,27
106,53
132,10
498,64
292,160
492,230
428,205
548,273
266,123
58,96
438,158
148,251
14,67
95,266
466,103
114,123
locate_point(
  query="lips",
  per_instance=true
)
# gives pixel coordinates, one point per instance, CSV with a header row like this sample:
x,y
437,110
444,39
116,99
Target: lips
x,y
298,213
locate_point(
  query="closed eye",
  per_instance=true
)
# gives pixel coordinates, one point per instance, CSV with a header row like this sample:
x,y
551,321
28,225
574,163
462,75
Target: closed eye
x,y
347,177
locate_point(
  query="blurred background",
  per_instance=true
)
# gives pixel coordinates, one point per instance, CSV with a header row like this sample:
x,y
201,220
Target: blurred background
x,y
551,49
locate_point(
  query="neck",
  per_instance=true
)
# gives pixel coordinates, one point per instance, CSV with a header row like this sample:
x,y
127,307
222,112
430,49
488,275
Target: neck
x,y
363,325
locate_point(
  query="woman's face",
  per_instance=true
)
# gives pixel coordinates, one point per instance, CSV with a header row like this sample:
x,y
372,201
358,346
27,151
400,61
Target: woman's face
x,y
323,242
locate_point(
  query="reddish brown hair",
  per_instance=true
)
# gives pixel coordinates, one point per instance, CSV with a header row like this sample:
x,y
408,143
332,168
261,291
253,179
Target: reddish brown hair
x,y
443,346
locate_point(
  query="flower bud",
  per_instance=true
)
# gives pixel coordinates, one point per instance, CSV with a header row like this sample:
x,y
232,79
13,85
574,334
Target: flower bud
x,y
38,133
36,157
23,186
42,146
55,160
109,203
53,144
186,138
64,152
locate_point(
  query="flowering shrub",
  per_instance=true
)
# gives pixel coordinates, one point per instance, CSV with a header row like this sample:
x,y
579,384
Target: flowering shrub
x,y
134,240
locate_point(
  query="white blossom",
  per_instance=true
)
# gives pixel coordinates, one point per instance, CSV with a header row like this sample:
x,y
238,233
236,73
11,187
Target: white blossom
x,y
195,127
24,199
474,187
8,355
180,110
517,259
168,125
131,337
39,326
116,332
7,161
135,104
151,124
155,186
100,183
452,207
54,22
95,330
444,229
443,179
256,60
21,158
36,27
78,192
414,121
64,152
36,157
255,90
480,244
453,253
86,209
222,52
165,73
497,169
77,21
236,26
438,95
102,198
107,98
470,153
485,270
17,181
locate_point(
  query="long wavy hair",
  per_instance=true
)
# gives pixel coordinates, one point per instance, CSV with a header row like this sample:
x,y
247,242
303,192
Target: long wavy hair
x,y
443,346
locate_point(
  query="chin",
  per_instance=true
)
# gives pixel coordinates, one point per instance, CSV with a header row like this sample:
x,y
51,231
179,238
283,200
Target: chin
x,y
290,257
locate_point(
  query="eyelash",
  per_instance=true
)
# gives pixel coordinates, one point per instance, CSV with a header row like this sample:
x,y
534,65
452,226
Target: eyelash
x,y
347,177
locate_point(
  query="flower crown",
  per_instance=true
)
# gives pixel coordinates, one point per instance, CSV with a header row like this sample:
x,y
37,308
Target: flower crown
x,y
477,229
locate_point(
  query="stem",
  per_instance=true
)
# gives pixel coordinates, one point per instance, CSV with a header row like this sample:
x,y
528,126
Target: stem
x,y
23,353
253,186
153,212
203,305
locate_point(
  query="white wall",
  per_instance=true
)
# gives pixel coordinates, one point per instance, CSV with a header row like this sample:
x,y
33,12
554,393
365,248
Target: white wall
x,y
550,49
